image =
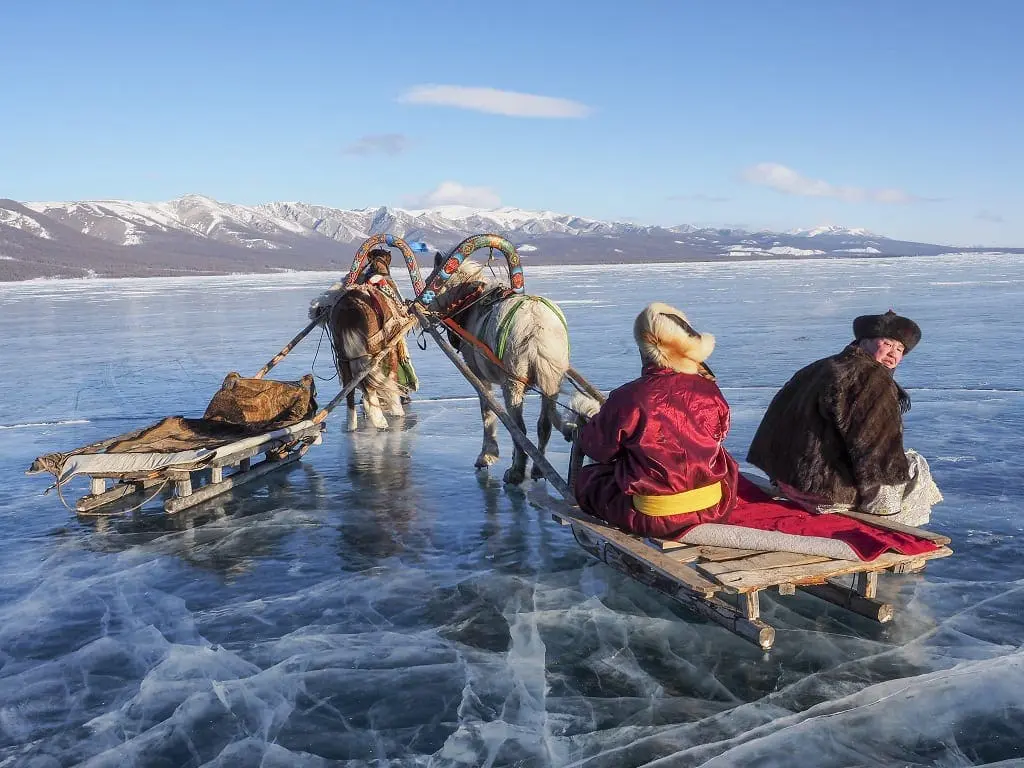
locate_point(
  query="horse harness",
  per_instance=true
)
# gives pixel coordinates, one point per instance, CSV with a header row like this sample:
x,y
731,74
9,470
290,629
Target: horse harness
x,y
489,299
378,300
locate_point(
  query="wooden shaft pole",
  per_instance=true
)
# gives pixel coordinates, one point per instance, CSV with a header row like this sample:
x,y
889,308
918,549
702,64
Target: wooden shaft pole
x,y
350,387
585,385
286,349
518,435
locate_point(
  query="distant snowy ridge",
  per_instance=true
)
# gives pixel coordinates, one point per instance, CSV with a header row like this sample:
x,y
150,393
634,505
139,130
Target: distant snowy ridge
x,y
197,235
280,225
272,225
832,229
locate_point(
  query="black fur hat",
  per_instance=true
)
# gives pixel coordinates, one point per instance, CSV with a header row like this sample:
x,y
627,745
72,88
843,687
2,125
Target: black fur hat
x,y
888,326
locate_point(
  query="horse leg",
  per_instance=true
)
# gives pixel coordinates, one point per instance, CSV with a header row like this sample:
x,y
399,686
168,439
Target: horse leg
x,y
514,393
393,403
548,416
392,394
372,409
350,400
489,452
371,386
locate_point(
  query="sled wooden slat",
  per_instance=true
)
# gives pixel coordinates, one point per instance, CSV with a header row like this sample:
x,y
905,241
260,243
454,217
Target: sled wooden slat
x,y
760,562
685,555
631,545
707,552
880,522
719,554
665,545
812,573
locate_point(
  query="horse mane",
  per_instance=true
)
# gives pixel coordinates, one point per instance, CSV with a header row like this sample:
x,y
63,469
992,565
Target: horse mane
x,y
378,263
468,278
318,307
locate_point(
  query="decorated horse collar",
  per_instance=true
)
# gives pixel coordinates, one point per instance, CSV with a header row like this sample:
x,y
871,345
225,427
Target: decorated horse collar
x,y
384,285
482,293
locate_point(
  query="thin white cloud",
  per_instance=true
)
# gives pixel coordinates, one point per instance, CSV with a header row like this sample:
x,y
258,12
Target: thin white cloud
x,y
454,193
790,182
493,101
989,216
699,197
379,144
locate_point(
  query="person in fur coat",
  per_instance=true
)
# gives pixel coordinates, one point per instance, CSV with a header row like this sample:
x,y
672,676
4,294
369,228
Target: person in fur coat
x,y
832,437
660,466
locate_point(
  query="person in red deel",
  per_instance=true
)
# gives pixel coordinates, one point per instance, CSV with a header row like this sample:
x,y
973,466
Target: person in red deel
x,y
657,441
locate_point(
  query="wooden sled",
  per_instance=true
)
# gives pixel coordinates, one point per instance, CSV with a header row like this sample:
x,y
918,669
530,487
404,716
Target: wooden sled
x,y
192,483
196,479
724,584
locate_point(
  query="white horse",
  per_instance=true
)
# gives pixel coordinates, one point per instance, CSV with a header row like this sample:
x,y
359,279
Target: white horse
x,y
529,336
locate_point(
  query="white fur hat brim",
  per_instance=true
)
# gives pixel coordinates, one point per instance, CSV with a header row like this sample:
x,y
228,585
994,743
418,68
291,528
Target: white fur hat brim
x,y
667,340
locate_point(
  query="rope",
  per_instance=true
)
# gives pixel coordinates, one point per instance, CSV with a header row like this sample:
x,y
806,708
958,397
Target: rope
x,y
159,490
312,366
490,263
484,349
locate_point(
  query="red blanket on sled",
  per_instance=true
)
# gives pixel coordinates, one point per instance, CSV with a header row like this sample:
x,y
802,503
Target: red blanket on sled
x,y
756,509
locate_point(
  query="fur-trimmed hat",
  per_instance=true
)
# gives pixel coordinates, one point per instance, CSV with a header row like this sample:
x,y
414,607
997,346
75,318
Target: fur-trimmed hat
x,y
888,326
666,339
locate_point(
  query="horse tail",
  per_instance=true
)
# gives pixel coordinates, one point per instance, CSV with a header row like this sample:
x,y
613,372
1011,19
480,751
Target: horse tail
x,y
376,380
584,405
345,371
582,408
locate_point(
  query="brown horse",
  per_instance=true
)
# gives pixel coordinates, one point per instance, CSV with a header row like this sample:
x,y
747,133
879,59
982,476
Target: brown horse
x,y
362,320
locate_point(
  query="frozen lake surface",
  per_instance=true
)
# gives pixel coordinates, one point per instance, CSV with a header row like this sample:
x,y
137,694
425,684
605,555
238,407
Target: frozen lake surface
x,y
380,603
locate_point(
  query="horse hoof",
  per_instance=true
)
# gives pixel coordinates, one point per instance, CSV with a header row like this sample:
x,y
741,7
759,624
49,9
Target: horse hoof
x,y
536,473
380,423
485,460
514,476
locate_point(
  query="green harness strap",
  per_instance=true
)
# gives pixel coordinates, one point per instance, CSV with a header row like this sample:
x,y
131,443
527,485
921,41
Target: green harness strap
x,y
505,326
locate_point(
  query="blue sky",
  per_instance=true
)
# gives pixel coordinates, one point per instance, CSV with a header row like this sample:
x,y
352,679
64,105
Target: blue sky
x,y
905,118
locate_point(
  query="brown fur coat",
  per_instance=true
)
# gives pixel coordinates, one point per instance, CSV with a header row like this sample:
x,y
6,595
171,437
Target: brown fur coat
x,y
834,428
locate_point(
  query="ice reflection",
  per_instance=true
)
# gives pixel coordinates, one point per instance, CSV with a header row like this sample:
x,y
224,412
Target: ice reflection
x,y
379,505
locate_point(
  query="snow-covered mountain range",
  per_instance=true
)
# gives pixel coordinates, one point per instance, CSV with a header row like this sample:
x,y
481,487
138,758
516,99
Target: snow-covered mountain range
x,y
198,235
